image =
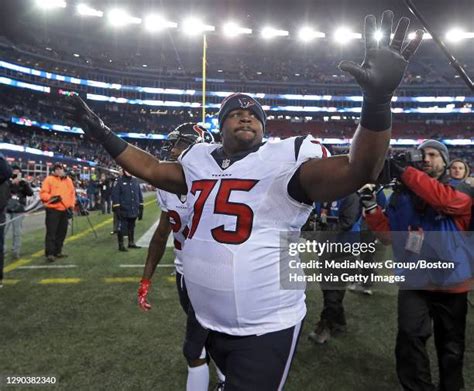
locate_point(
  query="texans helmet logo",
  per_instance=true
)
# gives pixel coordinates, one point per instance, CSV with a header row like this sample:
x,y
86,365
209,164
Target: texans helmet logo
x,y
245,103
198,130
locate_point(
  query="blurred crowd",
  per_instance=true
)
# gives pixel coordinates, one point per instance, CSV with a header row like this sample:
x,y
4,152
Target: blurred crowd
x,y
244,66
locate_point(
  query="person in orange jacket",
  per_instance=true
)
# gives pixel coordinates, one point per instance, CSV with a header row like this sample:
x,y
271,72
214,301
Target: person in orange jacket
x,y
59,197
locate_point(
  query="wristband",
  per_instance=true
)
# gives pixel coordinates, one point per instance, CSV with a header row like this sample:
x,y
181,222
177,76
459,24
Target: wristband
x,y
114,145
370,207
376,116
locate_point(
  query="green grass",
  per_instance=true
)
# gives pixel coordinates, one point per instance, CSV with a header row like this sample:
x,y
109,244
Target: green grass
x,y
92,336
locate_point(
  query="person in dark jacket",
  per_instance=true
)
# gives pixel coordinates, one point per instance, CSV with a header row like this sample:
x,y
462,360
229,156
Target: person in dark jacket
x,y
127,204
19,190
346,214
105,185
5,174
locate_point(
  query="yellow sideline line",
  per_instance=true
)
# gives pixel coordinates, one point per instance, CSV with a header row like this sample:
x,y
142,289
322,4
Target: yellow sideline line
x,y
37,254
109,280
59,281
10,282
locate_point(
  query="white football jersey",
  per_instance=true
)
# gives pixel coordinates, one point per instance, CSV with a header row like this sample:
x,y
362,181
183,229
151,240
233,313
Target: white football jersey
x,y
178,214
239,207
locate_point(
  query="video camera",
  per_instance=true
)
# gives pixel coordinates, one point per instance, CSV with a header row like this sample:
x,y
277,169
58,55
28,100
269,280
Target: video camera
x,y
410,157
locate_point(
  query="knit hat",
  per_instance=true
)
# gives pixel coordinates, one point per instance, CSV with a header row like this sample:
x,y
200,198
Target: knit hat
x,y
442,148
241,101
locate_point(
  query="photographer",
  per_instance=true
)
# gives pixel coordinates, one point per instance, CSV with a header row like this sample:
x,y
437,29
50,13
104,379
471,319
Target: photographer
x,y
5,174
19,190
367,236
422,204
59,198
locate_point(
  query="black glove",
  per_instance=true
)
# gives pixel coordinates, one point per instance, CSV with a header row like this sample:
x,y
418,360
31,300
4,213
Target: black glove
x,y
78,111
140,212
397,168
94,128
368,197
384,64
55,199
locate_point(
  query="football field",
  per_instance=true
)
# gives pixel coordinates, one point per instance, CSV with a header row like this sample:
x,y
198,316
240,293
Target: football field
x,y
77,320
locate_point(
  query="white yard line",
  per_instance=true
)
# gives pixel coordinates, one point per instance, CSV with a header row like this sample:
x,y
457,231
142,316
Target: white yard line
x,y
144,241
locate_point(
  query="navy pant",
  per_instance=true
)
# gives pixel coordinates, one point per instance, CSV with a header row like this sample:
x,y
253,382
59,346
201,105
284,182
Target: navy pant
x,y
419,312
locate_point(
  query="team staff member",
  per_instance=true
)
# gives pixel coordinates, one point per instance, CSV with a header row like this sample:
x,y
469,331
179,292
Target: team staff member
x,y
58,195
245,192
127,204
425,204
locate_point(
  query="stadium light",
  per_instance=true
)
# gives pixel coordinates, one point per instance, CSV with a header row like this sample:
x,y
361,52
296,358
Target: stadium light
x,y
85,10
307,34
232,29
50,4
194,26
378,35
119,17
158,23
270,32
343,35
456,35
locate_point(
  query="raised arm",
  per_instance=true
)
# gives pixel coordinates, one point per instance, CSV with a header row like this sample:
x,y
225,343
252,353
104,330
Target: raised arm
x,y
378,76
164,175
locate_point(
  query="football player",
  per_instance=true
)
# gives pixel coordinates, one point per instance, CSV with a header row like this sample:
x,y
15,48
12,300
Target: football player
x,y
174,217
245,192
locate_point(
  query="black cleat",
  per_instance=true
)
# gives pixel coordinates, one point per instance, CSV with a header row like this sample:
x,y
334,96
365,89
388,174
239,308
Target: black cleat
x,y
50,258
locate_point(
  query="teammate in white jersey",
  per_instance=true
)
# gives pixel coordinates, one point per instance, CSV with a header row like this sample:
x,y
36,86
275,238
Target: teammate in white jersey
x,y
174,218
246,192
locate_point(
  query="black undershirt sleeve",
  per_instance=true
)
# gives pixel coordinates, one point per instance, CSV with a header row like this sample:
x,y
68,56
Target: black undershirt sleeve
x,y
296,191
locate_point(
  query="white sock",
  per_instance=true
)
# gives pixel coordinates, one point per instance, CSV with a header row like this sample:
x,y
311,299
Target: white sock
x,y
198,378
220,375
